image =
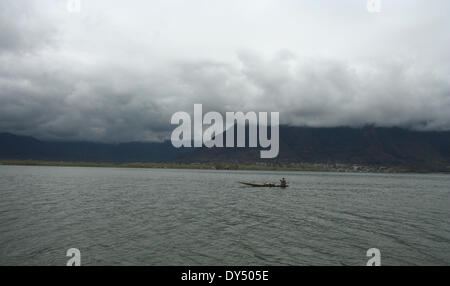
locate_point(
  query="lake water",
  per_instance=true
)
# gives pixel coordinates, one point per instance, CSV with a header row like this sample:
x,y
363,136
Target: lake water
x,y
118,216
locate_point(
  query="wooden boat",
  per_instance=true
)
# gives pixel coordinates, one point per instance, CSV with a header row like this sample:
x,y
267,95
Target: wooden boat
x,y
268,185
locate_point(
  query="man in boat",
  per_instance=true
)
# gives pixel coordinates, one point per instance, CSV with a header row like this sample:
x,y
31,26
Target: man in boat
x,y
283,182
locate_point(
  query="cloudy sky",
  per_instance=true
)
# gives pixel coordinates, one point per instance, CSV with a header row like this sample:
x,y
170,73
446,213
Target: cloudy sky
x,y
118,70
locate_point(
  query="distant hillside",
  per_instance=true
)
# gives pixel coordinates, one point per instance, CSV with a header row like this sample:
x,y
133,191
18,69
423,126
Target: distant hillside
x,y
344,145
370,146
28,148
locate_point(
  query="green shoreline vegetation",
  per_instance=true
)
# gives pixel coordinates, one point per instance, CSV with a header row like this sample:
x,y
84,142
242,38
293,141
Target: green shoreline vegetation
x,y
223,166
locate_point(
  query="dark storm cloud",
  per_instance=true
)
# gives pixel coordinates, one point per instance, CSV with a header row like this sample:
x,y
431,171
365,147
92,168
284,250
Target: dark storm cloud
x,y
80,106
118,72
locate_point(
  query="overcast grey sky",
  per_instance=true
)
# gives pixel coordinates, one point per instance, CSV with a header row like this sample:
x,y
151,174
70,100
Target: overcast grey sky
x,y
118,70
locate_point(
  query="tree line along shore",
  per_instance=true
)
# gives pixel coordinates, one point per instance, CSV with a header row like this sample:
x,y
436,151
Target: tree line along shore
x,y
353,168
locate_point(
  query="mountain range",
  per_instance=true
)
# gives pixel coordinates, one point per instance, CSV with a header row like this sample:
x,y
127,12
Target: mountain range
x,y
369,145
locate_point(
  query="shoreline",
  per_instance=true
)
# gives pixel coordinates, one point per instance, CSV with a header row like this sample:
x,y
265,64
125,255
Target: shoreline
x,y
219,166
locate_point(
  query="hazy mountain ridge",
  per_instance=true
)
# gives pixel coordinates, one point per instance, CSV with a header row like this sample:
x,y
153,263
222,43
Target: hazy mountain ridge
x,y
29,148
373,146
